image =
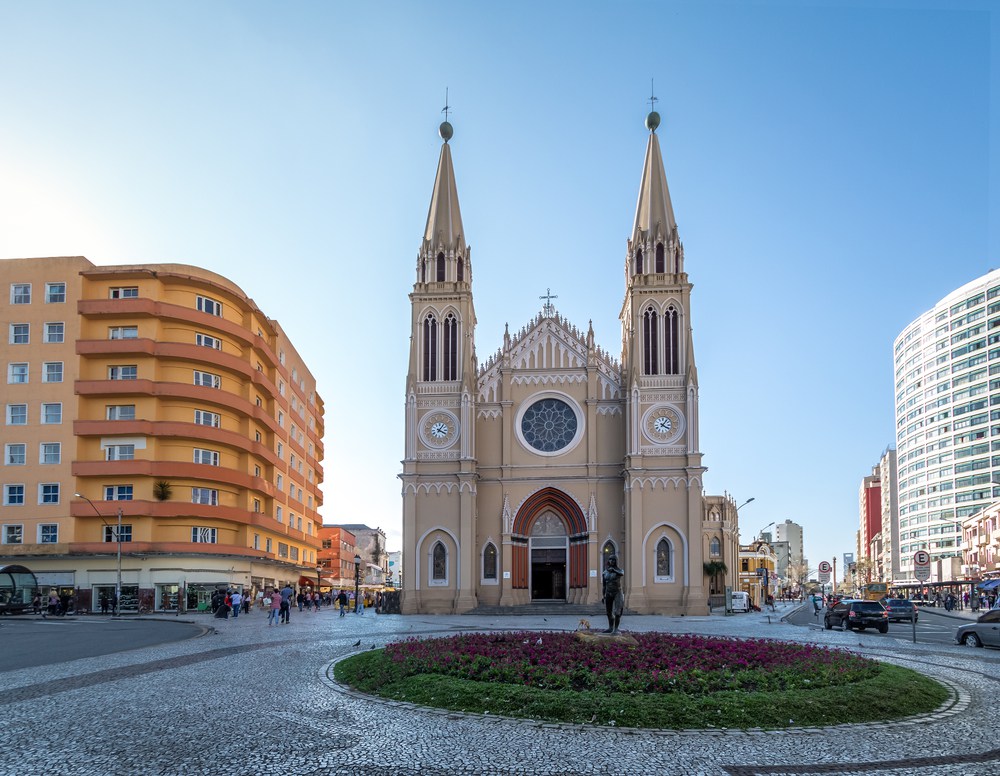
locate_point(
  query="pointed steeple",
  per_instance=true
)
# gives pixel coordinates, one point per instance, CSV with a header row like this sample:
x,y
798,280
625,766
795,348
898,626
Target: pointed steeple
x,y
654,213
444,231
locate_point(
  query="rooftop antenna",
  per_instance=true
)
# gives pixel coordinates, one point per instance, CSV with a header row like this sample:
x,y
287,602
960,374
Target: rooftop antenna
x,y
548,308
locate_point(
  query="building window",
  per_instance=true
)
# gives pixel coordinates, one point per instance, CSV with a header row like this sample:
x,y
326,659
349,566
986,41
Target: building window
x,y
13,534
256,470
130,372
438,565
281,418
430,348
670,322
256,541
52,413
278,514
48,533
293,553
52,372
121,412
112,534
660,263
450,347
50,452
55,293
20,293
120,453
20,334
607,551
117,492
439,267
207,379
206,418
280,482
15,454
123,332
282,550
202,535
490,562
17,414
54,333
664,561
48,493
715,548
638,262
127,292
209,342
17,373
269,545
209,457
256,505
211,306
13,495
208,496
650,342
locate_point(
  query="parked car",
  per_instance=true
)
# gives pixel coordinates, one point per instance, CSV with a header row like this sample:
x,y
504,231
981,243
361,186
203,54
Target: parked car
x,y
851,614
900,609
982,633
741,601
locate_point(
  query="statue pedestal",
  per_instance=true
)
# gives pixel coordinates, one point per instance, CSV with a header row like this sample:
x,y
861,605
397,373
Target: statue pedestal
x,y
591,636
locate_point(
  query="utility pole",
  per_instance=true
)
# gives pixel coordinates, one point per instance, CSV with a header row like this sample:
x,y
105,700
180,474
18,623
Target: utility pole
x,y
834,573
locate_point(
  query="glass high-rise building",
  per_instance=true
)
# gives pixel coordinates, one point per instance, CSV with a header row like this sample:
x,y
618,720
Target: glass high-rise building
x,y
947,383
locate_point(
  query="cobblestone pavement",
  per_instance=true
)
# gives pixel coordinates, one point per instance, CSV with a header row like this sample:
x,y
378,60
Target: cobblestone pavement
x,y
251,699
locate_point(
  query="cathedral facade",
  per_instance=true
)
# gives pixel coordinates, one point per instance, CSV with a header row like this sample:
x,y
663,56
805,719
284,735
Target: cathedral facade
x,y
522,474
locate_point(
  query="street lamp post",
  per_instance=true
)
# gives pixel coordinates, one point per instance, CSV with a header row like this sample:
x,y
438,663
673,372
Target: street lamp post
x,y
318,570
357,582
118,540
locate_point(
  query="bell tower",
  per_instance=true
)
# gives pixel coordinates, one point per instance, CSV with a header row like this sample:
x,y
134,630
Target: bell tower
x,y
663,470
439,467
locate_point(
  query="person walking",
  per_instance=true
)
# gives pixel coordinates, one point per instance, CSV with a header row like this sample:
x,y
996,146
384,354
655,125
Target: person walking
x,y
273,602
236,601
287,594
342,602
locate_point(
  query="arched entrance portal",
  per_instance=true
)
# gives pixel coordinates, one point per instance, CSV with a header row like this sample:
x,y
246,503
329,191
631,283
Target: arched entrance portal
x,y
548,548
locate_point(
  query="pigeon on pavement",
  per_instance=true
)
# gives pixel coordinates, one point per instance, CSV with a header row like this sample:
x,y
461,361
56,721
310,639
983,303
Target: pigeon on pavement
x,y
356,643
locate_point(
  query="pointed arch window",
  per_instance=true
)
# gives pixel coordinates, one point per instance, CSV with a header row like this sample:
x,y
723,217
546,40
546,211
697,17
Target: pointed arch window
x,y
650,342
423,270
490,562
659,258
671,326
438,564
440,268
450,347
664,560
461,269
607,551
430,348
715,547
638,262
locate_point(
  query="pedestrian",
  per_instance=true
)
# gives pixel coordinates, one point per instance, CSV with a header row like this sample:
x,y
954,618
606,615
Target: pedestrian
x,y
105,603
236,602
316,601
287,594
36,604
342,602
273,603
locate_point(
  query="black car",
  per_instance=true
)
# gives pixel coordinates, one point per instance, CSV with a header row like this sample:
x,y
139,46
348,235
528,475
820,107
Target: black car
x,y
901,609
852,614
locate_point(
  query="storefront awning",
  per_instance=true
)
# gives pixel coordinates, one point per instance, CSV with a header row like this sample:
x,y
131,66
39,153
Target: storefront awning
x,y
989,584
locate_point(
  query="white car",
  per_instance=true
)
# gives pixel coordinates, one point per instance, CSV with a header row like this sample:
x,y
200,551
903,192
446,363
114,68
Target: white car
x,y
741,602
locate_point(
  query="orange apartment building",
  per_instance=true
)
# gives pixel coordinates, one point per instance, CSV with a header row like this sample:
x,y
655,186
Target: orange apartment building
x,y
163,394
339,546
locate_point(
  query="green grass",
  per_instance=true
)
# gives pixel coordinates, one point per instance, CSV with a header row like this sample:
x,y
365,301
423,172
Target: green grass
x,y
893,692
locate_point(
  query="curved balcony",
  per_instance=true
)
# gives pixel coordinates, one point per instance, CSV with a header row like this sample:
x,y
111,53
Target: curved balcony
x,y
169,470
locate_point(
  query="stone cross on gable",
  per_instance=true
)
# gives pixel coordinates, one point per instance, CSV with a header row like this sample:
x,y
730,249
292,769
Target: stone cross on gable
x,y
548,308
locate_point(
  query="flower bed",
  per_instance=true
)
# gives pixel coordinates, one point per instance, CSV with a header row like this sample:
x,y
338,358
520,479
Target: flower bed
x,y
663,680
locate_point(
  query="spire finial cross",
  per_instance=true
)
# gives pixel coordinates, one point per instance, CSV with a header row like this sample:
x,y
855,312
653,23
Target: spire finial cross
x,y
653,99
446,107
548,308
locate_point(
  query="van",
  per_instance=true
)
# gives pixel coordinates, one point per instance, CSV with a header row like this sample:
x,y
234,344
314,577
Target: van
x,y
741,602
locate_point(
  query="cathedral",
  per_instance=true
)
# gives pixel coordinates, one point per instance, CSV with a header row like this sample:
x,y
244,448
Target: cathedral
x,y
523,474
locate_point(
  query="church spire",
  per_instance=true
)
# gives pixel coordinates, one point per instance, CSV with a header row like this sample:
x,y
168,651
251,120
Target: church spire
x,y
654,213
444,231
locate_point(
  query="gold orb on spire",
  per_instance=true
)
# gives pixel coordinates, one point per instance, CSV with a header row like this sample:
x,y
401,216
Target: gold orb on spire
x,y
446,130
652,121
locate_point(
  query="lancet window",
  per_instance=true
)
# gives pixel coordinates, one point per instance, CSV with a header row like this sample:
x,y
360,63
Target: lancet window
x,y
490,561
450,347
638,262
660,264
461,269
650,342
430,348
671,325
664,558
440,268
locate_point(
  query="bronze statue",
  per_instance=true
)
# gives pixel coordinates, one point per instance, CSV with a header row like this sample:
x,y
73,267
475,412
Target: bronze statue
x,y
614,600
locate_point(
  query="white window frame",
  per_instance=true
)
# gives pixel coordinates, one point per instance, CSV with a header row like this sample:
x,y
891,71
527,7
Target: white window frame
x,y
114,411
8,529
206,457
46,409
207,379
279,514
20,293
117,372
50,292
54,534
431,582
268,544
205,496
42,453
110,532
50,372
19,334
207,304
7,502
41,493
200,416
123,332
47,333
10,452
207,341
18,369
10,414
123,292
673,560
119,453
119,492
204,535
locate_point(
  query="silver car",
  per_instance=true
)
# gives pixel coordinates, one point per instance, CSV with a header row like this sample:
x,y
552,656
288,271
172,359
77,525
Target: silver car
x,y
984,632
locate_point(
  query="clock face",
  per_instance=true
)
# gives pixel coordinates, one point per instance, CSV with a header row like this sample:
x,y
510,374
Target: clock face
x,y
663,425
439,429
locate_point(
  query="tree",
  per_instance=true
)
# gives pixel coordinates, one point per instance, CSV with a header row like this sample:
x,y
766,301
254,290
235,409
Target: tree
x,y
713,569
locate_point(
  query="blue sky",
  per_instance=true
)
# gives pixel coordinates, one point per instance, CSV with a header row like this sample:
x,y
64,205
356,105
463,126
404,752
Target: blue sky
x,y
832,167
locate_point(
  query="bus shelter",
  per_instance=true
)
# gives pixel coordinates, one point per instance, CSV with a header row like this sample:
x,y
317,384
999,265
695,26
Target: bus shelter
x,y
17,587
